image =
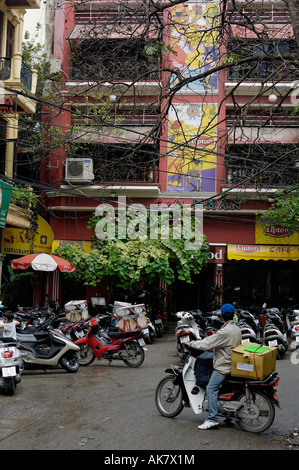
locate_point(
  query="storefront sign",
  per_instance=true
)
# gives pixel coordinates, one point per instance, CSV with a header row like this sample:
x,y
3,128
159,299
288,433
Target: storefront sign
x,y
7,106
263,252
219,204
217,254
207,204
161,203
18,241
5,195
275,234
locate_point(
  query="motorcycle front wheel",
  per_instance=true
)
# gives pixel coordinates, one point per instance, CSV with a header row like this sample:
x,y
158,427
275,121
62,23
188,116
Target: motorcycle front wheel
x,y
257,414
169,397
134,356
85,355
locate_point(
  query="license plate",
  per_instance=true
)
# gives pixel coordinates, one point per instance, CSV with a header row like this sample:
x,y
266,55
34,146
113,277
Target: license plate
x,y
158,320
145,331
141,341
297,339
8,371
184,339
272,343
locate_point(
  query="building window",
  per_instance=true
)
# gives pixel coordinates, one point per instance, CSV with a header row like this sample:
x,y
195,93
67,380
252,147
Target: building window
x,y
262,164
10,39
111,59
266,64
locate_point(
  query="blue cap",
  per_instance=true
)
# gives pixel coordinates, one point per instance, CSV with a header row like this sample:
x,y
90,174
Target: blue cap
x,y
228,310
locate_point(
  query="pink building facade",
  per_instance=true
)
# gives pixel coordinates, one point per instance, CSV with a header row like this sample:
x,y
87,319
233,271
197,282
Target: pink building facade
x,y
209,150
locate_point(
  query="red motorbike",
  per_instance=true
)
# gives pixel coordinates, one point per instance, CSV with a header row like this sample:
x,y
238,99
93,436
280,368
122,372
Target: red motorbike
x,y
115,345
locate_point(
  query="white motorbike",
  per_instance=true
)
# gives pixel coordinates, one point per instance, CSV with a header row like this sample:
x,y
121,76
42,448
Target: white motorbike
x,y
249,402
292,322
45,347
186,330
11,365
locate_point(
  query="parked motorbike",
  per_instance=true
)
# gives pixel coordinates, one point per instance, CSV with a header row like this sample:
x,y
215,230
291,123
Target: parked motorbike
x,y
274,333
159,324
249,402
11,365
75,331
213,322
292,322
45,347
97,343
250,327
186,330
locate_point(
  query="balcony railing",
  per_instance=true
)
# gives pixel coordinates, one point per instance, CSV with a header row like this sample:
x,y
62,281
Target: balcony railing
x,y
258,176
262,164
6,69
26,76
262,118
122,70
108,172
126,173
262,70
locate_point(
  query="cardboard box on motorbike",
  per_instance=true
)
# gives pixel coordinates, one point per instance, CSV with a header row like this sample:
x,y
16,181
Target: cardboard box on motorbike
x,y
253,361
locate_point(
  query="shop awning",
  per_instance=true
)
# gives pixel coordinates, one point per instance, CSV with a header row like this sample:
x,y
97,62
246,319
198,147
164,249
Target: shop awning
x,y
263,252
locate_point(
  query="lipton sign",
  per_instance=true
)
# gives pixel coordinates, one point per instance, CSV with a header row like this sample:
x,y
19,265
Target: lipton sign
x,y
275,234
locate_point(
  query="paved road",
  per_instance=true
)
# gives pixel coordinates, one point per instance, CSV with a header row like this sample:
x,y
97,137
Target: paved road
x,y
111,408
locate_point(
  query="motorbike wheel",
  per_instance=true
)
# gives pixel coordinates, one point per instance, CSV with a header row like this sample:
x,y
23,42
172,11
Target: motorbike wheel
x,y
70,362
85,355
135,356
281,352
159,330
180,350
258,412
169,398
9,386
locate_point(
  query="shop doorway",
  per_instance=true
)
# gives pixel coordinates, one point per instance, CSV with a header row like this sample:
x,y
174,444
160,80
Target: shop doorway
x,y
184,296
71,290
256,282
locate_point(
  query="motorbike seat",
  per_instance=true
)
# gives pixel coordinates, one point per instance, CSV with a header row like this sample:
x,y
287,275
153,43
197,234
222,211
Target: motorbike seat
x,y
115,333
8,340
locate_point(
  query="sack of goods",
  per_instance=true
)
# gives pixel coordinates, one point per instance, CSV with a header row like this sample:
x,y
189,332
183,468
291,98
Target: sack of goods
x,y
253,361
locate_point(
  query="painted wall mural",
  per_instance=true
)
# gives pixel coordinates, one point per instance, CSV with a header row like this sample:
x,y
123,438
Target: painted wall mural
x,y
192,135
193,40
192,123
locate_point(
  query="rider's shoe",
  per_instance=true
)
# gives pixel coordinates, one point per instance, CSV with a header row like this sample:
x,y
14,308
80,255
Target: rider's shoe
x,y
208,425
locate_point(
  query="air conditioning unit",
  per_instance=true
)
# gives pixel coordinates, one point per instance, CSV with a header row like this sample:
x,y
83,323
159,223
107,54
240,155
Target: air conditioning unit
x,y
79,170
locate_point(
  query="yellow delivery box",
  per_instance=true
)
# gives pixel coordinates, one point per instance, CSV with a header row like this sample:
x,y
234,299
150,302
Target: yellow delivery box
x,y
253,361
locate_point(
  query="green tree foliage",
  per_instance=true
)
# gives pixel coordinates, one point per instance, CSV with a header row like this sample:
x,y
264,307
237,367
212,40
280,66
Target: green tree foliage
x,y
284,209
126,261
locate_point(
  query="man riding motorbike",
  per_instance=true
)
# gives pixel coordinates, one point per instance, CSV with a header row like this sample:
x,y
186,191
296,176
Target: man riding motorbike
x,y
222,342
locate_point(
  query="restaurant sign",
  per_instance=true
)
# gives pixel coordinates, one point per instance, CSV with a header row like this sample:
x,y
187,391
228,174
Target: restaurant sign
x,y
18,241
207,204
